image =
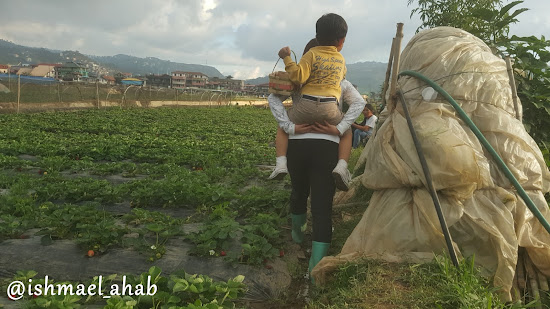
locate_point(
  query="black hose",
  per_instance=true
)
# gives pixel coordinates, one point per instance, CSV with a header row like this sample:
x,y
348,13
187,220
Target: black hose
x,y
429,182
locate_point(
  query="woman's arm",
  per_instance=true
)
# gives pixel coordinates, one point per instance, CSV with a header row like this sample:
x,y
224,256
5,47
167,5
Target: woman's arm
x,y
351,96
279,112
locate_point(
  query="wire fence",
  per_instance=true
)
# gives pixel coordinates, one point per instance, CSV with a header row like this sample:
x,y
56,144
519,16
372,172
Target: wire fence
x,y
23,90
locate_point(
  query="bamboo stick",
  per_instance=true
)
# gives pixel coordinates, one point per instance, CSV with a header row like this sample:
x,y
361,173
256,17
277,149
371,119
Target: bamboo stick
x,y
543,282
18,92
533,283
395,70
520,271
388,74
97,92
516,294
513,86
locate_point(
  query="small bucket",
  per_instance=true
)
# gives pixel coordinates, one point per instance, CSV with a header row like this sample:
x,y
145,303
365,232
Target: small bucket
x,y
279,82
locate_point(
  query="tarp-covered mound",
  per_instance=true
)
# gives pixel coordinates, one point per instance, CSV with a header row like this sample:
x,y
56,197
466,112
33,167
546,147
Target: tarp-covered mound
x,y
485,215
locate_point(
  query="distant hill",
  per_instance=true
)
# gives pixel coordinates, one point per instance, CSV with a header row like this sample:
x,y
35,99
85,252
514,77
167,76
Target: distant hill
x,y
11,53
367,76
152,65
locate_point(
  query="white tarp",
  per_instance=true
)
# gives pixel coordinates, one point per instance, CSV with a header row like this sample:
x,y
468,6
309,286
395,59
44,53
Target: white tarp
x,y
485,215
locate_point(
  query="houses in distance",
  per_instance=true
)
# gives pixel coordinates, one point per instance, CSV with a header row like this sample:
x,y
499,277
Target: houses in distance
x,y
76,72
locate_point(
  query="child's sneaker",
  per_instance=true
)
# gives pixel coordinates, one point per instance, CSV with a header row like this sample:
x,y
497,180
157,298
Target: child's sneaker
x,y
278,173
342,177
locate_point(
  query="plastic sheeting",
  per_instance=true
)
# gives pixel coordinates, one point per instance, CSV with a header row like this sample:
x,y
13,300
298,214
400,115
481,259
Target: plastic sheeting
x,y
485,215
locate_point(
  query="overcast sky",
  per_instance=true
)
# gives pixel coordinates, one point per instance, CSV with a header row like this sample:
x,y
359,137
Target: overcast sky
x,y
239,37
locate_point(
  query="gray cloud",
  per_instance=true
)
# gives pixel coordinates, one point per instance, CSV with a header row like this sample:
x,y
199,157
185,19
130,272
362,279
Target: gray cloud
x,y
239,37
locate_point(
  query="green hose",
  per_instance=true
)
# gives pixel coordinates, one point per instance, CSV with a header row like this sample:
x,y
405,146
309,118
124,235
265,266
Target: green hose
x,y
485,143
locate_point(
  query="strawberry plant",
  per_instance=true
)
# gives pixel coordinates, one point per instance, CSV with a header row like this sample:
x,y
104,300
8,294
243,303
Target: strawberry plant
x,y
217,233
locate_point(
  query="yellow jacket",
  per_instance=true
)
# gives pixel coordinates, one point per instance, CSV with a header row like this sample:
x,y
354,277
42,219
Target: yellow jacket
x,y
319,71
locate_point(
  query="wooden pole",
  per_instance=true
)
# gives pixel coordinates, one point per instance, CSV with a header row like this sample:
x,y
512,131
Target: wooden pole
x,y
513,86
97,92
388,74
18,92
533,282
396,56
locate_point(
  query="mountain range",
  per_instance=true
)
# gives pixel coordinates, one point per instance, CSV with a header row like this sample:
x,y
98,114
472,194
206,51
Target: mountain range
x,y
367,76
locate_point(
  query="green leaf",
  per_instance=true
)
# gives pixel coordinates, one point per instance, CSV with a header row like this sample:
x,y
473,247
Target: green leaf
x,y
180,286
153,227
239,278
194,289
507,8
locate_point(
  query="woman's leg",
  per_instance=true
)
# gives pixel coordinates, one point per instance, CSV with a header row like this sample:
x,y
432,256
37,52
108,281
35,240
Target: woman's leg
x,y
298,169
310,163
323,158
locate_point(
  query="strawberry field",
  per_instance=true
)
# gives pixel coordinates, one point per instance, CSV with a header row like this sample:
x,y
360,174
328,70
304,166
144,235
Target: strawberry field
x,y
140,181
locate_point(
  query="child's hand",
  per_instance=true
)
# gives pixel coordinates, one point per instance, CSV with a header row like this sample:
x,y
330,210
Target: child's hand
x,y
285,51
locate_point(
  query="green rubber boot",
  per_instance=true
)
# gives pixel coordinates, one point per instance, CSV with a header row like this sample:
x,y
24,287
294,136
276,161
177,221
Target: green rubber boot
x,y
318,251
298,227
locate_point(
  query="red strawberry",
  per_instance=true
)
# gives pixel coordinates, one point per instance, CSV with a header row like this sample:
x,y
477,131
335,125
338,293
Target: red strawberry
x,y
281,253
222,253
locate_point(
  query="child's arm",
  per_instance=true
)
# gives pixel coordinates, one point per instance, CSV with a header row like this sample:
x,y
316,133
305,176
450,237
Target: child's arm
x,y
279,112
298,72
356,103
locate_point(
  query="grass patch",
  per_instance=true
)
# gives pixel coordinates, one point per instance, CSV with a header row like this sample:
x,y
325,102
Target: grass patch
x,y
371,283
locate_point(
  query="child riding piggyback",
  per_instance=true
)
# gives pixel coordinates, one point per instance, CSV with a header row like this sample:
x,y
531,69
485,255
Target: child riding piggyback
x,y
320,72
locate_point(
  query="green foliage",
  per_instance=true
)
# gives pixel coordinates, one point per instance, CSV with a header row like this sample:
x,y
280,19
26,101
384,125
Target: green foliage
x,y
490,20
474,16
179,290
250,243
62,172
438,284
532,74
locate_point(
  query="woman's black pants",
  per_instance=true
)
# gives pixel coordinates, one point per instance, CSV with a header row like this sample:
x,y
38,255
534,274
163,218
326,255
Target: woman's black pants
x,y
310,163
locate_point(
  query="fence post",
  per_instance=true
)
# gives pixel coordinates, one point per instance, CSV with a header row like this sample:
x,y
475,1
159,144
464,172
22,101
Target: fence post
x,y
18,92
97,92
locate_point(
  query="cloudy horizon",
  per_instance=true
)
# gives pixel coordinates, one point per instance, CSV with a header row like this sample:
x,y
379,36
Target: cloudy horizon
x,y
239,37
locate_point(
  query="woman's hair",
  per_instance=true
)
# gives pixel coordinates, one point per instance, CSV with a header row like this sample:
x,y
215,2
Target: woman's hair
x,y
312,43
330,28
